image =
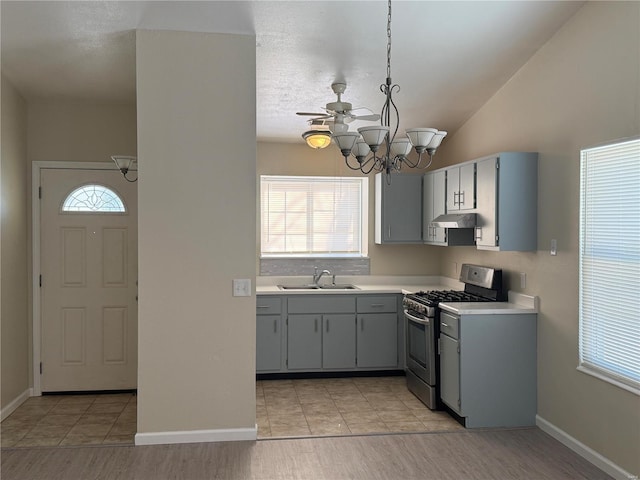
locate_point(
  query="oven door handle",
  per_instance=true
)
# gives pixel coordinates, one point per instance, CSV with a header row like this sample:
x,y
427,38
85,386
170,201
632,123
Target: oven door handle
x,y
423,321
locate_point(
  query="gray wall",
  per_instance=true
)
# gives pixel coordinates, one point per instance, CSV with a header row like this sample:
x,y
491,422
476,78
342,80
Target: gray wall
x,y
580,89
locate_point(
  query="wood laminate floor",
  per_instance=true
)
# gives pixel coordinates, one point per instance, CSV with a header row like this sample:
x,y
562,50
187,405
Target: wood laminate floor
x,y
464,455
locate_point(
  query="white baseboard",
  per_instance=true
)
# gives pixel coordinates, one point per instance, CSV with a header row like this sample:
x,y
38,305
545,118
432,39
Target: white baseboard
x,y
15,403
585,452
196,436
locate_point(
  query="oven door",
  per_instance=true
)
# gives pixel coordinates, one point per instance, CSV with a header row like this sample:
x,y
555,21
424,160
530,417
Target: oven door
x,y
420,350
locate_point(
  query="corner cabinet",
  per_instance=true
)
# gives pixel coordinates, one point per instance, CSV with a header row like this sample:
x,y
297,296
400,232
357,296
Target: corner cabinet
x,y
398,208
507,192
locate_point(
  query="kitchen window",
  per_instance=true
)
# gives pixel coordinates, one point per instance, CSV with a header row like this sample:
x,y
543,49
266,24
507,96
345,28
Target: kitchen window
x,y
313,216
610,263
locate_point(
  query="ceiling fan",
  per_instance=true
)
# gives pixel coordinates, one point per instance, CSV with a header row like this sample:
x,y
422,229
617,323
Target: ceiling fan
x,y
337,114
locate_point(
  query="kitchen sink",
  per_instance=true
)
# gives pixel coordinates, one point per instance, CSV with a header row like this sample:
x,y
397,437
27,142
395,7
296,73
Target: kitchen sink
x,y
328,286
338,286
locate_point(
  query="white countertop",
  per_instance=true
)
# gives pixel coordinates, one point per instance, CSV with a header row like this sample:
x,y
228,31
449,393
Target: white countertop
x,y
518,303
365,284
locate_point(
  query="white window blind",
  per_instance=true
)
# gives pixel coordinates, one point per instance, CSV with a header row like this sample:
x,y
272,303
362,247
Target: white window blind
x,y
610,263
312,216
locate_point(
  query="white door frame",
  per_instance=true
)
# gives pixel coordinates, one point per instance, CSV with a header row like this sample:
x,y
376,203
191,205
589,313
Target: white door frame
x,y
36,169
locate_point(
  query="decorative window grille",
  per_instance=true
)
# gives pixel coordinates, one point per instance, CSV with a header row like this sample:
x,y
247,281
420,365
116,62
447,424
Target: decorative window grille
x,y
610,263
95,199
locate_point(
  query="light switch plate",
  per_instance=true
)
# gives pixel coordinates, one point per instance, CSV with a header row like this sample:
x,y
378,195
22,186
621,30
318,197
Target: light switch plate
x,y
241,287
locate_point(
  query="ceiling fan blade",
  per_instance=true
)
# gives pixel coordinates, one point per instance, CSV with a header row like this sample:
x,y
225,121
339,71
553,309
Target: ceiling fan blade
x,y
311,114
374,117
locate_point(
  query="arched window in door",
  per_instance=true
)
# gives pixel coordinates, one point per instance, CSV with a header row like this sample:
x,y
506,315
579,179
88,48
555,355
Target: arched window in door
x,y
95,199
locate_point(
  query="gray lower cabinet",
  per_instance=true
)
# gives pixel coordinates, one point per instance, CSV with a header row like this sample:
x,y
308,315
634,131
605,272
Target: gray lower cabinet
x,y
318,332
321,332
377,340
488,368
450,371
377,331
338,342
321,342
304,342
268,334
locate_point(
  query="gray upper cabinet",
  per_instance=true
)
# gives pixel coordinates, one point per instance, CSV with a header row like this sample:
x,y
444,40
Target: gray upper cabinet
x,y
398,208
434,196
507,213
434,193
461,183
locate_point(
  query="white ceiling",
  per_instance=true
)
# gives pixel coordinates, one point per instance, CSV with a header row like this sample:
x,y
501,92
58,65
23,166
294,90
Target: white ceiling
x,y
448,57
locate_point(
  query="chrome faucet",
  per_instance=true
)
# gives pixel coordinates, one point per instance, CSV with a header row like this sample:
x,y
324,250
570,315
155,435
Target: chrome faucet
x,y
317,277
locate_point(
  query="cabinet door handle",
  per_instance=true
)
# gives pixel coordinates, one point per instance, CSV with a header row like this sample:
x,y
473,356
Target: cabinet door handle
x,y
456,198
444,324
262,306
478,233
275,325
461,198
327,327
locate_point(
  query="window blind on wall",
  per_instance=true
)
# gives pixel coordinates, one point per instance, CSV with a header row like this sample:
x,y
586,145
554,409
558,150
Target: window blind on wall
x,y
311,215
610,263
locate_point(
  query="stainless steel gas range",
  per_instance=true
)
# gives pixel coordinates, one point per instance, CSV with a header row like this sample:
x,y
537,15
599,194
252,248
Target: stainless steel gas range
x,y
421,312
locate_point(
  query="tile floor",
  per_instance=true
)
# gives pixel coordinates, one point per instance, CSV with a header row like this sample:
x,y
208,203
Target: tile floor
x,y
67,420
285,408
343,406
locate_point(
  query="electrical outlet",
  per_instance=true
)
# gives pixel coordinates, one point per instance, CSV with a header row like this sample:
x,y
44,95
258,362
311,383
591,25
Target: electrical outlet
x,y
241,287
523,280
554,247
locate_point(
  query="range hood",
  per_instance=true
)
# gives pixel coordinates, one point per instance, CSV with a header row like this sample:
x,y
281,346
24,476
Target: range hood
x,y
455,220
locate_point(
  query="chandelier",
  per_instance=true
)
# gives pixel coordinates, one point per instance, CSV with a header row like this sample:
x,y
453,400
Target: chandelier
x,y
365,145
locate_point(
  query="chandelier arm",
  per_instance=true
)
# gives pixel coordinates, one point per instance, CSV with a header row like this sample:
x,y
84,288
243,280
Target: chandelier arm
x,y
346,160
411,164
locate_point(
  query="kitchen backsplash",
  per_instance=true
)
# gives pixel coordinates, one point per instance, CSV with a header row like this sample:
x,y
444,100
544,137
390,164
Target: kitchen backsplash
x,y
305,266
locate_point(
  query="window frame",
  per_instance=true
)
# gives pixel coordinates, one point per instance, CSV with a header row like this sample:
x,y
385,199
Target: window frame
x,y
593,348
364,217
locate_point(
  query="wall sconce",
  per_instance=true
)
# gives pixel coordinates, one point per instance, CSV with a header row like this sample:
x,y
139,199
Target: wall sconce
x,y
124,164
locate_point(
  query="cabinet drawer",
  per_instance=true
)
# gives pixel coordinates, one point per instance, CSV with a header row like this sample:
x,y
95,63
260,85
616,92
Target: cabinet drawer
x,y
377,304
449,324
321,304
268,305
